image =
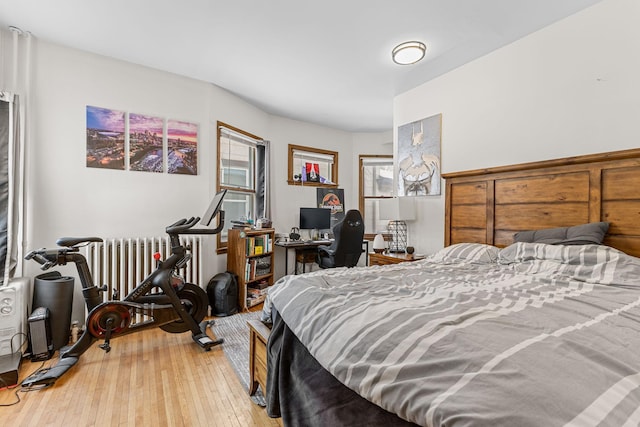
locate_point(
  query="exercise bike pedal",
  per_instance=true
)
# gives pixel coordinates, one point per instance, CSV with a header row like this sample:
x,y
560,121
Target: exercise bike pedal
x,y
106,347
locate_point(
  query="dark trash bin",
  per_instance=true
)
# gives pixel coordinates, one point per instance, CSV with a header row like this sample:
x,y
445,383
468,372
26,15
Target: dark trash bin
x,y
55,292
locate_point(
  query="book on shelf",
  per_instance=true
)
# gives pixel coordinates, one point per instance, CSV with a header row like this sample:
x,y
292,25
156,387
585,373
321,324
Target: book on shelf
x,y
258,245
250,245
253,292
240,224
250,270
251,301
262,284
256,267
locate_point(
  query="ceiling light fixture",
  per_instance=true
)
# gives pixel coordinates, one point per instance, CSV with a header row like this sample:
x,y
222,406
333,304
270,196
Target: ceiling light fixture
x,y
408,53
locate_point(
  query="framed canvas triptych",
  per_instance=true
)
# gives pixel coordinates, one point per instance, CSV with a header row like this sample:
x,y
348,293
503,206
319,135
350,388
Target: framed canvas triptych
x,y
143,147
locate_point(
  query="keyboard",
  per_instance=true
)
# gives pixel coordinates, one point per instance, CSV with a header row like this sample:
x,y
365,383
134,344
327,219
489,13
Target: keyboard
x,y
302,242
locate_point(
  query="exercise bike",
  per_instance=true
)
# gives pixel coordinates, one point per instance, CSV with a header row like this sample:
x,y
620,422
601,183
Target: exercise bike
x,y
161,300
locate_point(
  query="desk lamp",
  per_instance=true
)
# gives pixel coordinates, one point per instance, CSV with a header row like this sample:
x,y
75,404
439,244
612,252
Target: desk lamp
x,y
398,210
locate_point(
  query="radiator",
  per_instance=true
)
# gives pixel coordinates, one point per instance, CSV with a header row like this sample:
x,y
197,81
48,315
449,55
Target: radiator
x,y
121,264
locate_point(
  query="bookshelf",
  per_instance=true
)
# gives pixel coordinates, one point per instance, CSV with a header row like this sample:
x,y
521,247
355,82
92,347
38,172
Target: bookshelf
x,y
250,257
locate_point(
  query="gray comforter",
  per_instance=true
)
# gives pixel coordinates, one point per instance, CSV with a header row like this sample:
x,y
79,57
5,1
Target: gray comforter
x,y
529,335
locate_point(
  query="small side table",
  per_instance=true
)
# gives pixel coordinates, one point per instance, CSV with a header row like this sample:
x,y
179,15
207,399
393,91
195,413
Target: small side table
x,y
392,258
258,336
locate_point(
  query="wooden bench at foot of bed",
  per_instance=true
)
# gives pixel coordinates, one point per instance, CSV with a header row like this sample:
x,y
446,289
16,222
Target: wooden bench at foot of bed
x,y
258,336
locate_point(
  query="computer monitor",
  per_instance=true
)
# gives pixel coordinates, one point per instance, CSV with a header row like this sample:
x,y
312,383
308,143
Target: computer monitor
x,y
214,208
315,218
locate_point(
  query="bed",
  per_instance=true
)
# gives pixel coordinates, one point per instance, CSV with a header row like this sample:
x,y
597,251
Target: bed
x,y
487,331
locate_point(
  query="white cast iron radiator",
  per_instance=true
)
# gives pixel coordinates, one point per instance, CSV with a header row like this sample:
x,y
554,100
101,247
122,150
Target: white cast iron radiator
x,y
121,264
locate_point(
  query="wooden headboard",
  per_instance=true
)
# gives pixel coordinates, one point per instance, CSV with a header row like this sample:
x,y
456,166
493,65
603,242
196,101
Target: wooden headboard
x,y
490,205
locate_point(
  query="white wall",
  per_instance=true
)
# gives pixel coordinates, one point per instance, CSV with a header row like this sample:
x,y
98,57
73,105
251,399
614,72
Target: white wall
x,y
65,198
568,89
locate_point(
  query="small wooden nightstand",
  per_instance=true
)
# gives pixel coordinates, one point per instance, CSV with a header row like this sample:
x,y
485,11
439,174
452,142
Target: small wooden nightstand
x,y
258,336
392,258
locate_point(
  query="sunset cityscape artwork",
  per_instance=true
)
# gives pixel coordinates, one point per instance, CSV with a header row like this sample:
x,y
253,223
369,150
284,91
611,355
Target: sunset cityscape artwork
x,y
182,147
145,143
105,138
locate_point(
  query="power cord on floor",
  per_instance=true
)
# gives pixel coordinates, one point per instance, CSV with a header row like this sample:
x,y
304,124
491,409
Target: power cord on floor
x,y
19,389
14,351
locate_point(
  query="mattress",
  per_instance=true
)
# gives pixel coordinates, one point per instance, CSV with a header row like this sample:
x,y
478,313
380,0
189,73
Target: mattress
x,y
528,335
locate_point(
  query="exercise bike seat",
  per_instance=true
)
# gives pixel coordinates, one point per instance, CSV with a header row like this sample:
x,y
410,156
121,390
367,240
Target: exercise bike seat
x,y
70,242
49,376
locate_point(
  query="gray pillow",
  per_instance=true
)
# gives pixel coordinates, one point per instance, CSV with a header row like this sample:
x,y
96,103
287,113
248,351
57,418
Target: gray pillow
x,y
585,234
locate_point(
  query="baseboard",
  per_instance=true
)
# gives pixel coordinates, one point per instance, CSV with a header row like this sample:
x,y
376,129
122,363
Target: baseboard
x,y
9,366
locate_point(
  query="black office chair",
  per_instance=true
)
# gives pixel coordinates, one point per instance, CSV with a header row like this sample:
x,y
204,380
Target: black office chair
x,y
346,249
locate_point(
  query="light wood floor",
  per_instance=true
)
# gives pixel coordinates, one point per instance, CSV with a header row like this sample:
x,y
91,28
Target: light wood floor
x,y
151,378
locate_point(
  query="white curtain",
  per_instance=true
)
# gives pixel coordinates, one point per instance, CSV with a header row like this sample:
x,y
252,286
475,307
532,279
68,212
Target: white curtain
x,y
263,207
11,183
14,95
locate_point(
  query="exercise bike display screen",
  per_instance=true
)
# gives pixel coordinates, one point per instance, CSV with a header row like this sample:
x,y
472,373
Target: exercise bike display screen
x,y
214,208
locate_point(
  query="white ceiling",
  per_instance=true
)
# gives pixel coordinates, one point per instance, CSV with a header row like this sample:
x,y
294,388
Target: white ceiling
x,y
326,62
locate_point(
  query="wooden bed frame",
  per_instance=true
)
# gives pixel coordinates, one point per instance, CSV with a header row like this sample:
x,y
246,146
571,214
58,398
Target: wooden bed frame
x,y
490,205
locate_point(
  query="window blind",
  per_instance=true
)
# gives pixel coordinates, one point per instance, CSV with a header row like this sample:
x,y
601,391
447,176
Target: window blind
x,y
313,157
373,161
240,138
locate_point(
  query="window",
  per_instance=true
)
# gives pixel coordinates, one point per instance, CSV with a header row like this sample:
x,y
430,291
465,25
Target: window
x,y
243,172
376,183
312,166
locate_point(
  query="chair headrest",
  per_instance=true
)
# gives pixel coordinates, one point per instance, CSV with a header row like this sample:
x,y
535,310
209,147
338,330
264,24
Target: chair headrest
x,y
353,218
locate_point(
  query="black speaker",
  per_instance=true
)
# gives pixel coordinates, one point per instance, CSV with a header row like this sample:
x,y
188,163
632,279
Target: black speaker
x,y
222,291
41,347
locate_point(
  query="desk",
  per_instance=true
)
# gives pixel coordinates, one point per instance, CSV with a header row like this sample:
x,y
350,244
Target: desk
x,y
311,245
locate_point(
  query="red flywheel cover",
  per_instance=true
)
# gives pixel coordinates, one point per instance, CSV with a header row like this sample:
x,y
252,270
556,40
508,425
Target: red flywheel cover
x,y
97,323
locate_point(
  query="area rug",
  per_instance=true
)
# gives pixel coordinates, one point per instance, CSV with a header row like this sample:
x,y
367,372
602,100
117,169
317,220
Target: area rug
x,y
235,332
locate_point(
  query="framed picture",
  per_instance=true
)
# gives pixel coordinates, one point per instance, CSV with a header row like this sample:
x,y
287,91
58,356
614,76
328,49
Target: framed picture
x,y
145,143
105,138
332,198
418,157
182,147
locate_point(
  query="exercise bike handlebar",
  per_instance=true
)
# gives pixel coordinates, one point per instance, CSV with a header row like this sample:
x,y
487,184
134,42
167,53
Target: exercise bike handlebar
x,y
38,257
184,226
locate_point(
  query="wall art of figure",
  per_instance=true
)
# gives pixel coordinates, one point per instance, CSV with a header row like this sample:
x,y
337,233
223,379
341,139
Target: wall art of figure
x,y
419,157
